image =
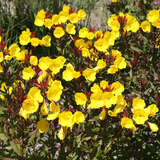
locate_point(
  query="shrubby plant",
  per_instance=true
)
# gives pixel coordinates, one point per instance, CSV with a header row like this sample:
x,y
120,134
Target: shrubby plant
x,y
76,102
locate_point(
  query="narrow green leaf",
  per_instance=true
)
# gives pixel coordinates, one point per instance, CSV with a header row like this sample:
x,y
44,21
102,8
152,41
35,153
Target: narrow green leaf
x,y
3,137
136,49
16,146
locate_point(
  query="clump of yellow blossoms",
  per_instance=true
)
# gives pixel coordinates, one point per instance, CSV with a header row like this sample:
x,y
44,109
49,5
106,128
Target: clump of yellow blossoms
x,y
26,37
140,115
124,22
48,77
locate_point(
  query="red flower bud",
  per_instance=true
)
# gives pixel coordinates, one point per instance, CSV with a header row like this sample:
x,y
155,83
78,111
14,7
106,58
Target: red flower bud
x,y
33,34
48,15
125,114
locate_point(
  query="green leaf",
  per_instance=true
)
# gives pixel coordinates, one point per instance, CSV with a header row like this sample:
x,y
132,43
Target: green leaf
x,y
95,129
86,138
16,146
8,147
3,137
136,49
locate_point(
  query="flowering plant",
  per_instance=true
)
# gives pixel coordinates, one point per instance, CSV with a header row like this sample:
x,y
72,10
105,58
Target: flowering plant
x,y
82,83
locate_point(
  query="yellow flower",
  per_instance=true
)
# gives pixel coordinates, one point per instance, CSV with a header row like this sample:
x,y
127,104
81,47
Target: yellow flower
x,y
99,34
80,98
76,74
117,109
83,32
156,23
101,45
1,57
89,74
81,14
58,32
42,125
28,73
146,26
110,38
39,20
48,23
25,37
90,35
140,116
115,35
78,117
8,58
102,115
62,133
66,119
66,9
30,105
112,69
109,99
70,73
132,24
54,92
55,19
1,69
3,86
21,55
85,52
113,23
73,18
33,60
55,109
63,16
44,63
23,113
152,109
153,127
6,89
112,113
114,1
100,64
70,29
35,93
116,53
44,109
57,64
117,88
120,62
121,100
14,49
0,38
46,41
80,43
34,42
95,88
153,15
97,100
104,84
50,80
42,76
127,123
138,103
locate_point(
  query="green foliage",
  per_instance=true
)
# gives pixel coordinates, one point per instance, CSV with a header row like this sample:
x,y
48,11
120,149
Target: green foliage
x,y
16,15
